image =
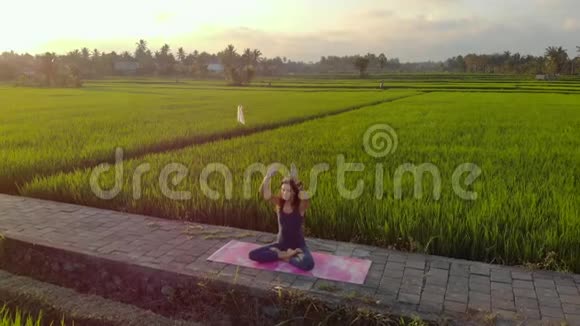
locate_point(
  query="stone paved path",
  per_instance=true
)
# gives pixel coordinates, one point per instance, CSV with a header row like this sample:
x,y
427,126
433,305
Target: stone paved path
x,y
422,283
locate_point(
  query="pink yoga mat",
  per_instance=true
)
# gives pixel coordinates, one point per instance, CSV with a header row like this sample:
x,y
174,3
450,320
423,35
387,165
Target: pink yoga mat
x,y
330,267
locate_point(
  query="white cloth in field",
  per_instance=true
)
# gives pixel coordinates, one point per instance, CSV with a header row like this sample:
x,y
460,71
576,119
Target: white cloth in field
x,y
241,115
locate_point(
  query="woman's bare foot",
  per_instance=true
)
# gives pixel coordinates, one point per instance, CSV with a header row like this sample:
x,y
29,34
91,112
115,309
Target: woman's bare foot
x,y
274,249
283,255
298,253
287,254
294,252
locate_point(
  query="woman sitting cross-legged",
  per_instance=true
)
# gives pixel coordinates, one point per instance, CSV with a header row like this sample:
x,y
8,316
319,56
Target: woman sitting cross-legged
x,y
290,206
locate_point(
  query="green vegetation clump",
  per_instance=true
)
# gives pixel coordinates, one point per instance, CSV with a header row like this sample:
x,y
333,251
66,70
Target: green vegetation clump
x,y
18,318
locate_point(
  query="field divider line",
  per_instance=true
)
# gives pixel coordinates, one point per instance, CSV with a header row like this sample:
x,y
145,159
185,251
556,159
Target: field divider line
x,y
500,91
512,88
183,142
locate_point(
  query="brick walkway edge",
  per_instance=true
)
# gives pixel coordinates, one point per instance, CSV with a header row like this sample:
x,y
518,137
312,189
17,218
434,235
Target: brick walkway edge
x,y
431,287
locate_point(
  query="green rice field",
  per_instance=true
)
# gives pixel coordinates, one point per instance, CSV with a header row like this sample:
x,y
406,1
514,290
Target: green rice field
x,y
522,134
44,131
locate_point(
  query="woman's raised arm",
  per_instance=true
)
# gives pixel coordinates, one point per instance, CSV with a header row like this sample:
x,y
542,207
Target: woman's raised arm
x,y
265,189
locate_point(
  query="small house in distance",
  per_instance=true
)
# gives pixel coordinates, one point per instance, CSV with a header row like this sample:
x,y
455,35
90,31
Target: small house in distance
x,y
125,67
547,76
216,68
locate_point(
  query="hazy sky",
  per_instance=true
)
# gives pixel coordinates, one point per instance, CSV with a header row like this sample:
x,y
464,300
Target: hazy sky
x,y
299,29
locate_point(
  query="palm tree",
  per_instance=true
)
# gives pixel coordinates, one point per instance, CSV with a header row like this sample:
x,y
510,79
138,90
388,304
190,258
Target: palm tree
x,y
181,55
256,54
239,69
251,65
141,48
74,57
126,55
144,57
247,57
165,59
200,63
48,67
74,54
230,58
382,61
165,49
506,60
361,63
85,54
515,62
557,57
251,57
247,68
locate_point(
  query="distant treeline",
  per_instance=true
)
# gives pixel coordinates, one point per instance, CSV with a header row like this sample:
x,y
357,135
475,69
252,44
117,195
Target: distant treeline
x,y
68,70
